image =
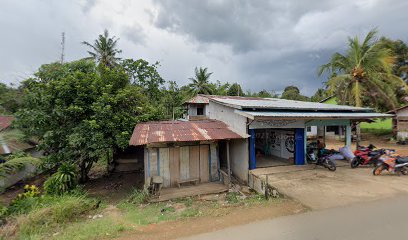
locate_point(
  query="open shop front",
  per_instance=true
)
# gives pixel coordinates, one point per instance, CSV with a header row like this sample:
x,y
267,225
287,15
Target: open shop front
x,y
276,143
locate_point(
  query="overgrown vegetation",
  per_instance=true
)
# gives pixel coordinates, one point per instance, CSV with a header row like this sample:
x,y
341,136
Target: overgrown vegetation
x,y
64,180
17,164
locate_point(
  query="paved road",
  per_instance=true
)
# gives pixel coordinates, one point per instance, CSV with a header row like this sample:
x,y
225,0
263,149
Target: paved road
x,y
383,219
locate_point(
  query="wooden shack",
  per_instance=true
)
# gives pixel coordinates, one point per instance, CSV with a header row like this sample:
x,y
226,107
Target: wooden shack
x,y
182,151
400,123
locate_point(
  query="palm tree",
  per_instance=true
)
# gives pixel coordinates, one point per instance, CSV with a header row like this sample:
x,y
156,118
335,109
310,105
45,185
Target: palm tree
x,y
104,50
200,83
365,70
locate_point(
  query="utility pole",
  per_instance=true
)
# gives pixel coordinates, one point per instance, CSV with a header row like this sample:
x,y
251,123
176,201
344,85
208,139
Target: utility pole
x,y
62,47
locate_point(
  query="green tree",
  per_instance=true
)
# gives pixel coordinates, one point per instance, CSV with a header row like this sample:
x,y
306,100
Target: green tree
x,y
142,73
400,51
82,115
365,70
293,93
319,95
104,50
220,88
200,83
173,101
10,99
235,90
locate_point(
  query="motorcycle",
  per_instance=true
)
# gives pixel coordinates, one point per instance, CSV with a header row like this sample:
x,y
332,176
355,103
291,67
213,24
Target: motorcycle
x,y
322,160
392,163
366,156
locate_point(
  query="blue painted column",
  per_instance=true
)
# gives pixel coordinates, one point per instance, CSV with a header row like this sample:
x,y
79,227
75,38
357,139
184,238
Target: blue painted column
x,y
348,135
299,146
252,158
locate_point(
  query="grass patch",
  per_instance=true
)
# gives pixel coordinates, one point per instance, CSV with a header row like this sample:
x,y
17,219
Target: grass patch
x,y
378,124
92,229
51,213
377,131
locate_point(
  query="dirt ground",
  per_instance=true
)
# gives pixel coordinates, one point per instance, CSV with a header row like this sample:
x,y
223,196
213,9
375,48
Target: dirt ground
x,y
236,216
319,188
114,187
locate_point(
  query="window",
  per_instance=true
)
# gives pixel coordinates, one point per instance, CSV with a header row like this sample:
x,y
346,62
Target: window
x,y
200,111
309,129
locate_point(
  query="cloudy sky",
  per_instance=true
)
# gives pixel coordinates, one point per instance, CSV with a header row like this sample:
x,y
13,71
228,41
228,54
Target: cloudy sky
x,y
259,44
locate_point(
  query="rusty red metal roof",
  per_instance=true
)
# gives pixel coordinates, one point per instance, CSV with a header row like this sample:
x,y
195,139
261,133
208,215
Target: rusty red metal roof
x,y
181,131
199,99
5,122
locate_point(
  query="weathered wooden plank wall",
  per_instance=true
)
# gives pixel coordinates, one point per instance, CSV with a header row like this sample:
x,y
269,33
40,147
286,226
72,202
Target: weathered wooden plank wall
x,y
153,162
174,166
165,166
184,163
215,176
204,164
194,161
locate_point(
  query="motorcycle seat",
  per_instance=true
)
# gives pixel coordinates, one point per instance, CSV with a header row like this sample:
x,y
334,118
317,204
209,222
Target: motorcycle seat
x,y
374,153
402,159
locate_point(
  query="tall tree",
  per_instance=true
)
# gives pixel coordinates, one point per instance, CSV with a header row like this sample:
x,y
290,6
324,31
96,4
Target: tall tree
x,y
293,93
104,50
83,115
400,51
200,83
235,90
319,95
365,70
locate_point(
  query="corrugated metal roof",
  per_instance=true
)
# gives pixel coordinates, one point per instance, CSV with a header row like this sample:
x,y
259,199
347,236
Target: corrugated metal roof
x,y
314,115
198,99
277,103
181,131
5,122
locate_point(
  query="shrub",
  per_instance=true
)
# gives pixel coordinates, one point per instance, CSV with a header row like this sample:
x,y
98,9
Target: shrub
x,y
52,211
138,196
232,197
64,180
29,192
17,164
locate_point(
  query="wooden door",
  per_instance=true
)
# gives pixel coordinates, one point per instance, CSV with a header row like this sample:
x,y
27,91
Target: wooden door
x,y
174,165
204,163
184,163
195,162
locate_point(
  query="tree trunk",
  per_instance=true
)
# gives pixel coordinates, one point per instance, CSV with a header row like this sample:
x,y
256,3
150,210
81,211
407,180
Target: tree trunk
x,y
358,104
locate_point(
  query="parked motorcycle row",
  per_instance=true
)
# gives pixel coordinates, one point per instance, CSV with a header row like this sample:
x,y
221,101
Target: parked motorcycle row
x,y
380,159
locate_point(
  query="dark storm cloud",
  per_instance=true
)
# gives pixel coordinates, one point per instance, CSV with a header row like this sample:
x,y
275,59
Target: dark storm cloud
x,y
259,44
277,43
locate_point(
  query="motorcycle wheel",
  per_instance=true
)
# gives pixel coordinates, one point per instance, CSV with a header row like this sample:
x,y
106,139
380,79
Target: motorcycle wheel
x,y
404,171
378,169
355,162
331,166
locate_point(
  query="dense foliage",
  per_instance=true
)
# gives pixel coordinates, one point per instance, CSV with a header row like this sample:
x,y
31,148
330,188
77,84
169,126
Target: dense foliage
x,y
80,112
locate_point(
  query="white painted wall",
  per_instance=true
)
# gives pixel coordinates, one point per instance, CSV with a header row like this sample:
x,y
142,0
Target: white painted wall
x,y
227,115
239,158
401,135
192,110
402,113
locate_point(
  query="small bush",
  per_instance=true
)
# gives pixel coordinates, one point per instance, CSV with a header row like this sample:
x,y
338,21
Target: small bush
x,y
52,211
138,196
232,197
64,180
17,164
30,191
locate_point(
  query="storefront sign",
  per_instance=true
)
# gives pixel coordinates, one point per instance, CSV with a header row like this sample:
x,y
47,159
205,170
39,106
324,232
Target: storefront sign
x,y
277,123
